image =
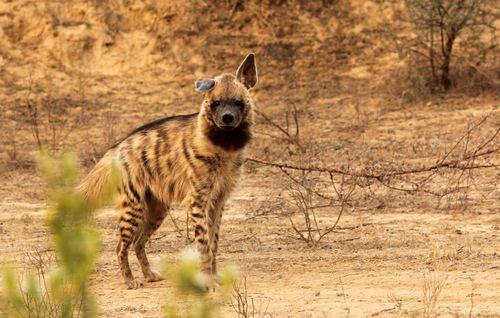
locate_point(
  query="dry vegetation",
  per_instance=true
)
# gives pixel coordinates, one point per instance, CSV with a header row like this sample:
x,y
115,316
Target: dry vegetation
x,y
369,191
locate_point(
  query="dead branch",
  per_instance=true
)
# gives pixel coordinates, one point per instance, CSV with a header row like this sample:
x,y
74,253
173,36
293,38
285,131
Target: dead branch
x,y
292,138
459,163
306,192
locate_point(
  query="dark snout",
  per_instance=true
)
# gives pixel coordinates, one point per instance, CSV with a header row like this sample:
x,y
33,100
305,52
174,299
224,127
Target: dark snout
x,y
229,117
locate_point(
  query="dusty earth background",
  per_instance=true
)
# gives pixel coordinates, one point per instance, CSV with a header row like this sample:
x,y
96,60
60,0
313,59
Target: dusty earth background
x,y
90,71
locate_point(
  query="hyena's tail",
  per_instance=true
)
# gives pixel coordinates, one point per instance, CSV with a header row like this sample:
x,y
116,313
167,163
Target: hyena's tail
x,y
101,182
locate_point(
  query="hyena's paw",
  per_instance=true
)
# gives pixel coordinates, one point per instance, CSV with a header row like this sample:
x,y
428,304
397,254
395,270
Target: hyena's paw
x,y
133,283
153,277
211,282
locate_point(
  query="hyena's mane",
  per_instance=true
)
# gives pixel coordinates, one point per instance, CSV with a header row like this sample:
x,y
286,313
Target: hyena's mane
x,y
155,125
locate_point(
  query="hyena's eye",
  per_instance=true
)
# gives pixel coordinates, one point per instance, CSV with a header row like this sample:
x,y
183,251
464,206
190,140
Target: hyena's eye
x,y
239,103
215,104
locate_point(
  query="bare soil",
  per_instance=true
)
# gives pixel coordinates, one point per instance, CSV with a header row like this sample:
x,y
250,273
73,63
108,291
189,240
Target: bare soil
x,y
96,70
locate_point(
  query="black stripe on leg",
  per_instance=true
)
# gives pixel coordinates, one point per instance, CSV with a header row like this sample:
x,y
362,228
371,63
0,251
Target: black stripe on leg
x,y
197,203
130,221
200,229
197,215
200,187
126,233
202,241
134,192
128,204
218,200
135,214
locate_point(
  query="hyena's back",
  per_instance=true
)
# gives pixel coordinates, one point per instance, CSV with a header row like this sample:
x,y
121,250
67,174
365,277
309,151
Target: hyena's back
x,y
151,161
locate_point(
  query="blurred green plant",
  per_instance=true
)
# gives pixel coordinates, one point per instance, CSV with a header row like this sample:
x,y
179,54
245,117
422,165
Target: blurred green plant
x,y
192,298
63,293
77,243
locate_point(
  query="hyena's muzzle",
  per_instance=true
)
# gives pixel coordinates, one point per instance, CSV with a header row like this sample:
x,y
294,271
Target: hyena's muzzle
x,y
228,114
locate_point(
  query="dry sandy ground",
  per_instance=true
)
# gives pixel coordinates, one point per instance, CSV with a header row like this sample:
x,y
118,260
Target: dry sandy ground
x,y
387,245
376,264
98,69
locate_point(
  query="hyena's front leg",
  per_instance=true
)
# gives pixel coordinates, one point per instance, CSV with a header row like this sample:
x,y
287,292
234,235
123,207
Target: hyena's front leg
x,y
189,239
215,215
201,225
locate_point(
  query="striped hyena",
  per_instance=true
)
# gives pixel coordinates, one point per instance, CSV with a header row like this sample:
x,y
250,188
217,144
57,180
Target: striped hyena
x,y
191,159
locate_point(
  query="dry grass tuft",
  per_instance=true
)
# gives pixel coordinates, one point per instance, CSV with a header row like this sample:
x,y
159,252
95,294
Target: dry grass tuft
x,y
433,284
244,305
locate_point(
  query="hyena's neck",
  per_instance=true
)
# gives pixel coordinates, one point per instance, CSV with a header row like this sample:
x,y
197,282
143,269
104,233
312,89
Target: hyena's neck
x,y
232,141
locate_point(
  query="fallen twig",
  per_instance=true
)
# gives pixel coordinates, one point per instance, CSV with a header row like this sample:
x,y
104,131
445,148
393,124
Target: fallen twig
x,y
450,164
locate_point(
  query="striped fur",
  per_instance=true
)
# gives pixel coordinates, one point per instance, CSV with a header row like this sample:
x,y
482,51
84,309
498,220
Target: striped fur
x,y
191,159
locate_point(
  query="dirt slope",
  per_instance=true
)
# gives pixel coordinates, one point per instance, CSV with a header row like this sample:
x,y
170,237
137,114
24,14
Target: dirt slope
x,y
94,70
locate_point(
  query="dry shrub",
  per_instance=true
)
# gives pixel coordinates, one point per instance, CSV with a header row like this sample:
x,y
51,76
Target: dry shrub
x,y
311,193
431,290
451,44
449,180
396,300
50,117
243,304
308,191
42,305
290,131
471,295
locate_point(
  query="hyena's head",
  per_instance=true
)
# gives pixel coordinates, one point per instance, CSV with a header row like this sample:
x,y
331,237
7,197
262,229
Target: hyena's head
x,y
227,106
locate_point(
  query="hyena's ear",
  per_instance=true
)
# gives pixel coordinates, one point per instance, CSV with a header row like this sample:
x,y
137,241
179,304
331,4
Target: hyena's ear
x,y
205,85
247,71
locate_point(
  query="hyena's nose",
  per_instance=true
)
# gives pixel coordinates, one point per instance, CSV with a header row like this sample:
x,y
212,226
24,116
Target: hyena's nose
x,y
227,119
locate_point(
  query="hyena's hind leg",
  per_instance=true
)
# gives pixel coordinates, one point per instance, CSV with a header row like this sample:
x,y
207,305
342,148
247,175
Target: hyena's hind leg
x,y
130,226
155,215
